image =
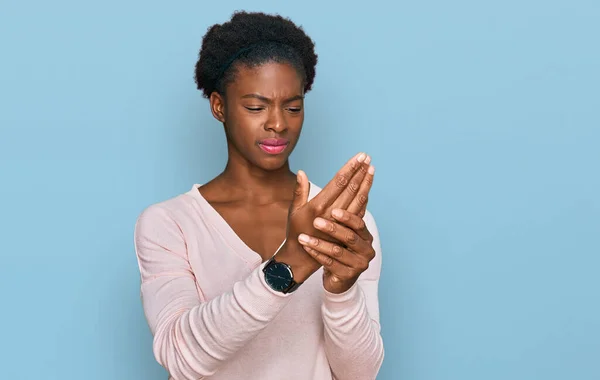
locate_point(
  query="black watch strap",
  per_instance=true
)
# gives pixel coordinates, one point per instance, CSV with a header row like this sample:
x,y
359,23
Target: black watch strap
x,y
293,287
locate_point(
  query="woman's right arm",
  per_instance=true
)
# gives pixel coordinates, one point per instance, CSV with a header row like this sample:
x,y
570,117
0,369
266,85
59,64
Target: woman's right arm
x,y
192,338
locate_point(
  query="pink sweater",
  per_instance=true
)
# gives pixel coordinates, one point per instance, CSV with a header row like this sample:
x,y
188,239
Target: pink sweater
x,y
213,316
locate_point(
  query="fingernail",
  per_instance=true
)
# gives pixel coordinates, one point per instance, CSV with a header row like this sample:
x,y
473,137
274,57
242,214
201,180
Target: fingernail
x,y
303,238
371,169
337,213
361,157
368,160
320,222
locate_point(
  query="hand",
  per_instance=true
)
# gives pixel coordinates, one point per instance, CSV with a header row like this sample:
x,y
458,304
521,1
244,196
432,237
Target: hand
x,y
342,264
302,213
353,198
356,195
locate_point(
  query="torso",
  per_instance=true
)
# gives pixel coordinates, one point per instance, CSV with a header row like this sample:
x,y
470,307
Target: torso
x,y
219,259
261,225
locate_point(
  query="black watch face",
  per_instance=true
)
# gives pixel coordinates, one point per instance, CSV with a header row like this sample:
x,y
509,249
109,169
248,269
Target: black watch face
x,y
278,276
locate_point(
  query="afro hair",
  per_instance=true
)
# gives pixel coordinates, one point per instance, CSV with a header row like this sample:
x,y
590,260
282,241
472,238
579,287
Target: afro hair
x,y
252,39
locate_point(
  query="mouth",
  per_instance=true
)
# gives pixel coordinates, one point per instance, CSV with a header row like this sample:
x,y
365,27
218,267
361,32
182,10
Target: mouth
x,y
273,146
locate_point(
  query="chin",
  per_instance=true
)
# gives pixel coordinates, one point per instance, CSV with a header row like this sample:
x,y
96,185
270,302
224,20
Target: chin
x,y
272,163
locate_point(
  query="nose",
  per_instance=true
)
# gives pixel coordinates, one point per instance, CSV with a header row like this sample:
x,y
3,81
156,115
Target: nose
x,y
276,121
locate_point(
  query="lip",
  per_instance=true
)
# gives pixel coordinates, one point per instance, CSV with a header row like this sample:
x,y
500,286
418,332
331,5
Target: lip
x,y
273,146
274,142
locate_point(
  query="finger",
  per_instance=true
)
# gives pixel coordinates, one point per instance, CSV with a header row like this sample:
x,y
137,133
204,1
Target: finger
x,y
331,266
359,203
336,186
351,191
352,221
334,251
362,212
344,235
301,191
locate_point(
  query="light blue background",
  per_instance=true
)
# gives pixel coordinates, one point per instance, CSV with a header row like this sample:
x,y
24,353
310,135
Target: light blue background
x,y
482,118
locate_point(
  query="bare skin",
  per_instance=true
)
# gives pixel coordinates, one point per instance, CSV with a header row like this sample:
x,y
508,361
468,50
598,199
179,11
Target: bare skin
x,y
258,219
257,194
254,192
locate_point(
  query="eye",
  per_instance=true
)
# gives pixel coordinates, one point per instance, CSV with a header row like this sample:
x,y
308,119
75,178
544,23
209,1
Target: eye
x,y
254,109
294,109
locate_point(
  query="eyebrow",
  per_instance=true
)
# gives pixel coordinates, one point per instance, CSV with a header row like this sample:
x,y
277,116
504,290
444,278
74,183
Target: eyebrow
x,y
267,100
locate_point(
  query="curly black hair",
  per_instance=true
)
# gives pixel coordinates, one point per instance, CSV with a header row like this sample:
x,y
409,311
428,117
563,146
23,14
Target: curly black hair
x,y
252,39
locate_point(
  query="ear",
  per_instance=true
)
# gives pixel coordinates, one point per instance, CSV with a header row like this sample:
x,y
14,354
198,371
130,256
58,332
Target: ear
x,y
217,106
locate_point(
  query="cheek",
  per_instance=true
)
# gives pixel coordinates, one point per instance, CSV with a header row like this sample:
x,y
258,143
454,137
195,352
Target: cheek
x,y
295,122
244,124
243,131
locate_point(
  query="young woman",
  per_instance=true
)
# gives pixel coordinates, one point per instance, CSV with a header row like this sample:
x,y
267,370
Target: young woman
x,y
258,273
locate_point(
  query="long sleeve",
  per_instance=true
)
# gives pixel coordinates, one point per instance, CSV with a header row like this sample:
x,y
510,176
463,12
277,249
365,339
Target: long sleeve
x,y
353,342
192,338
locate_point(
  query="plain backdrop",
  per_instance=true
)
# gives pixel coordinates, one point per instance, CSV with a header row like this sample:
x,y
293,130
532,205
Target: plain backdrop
x,y
482,119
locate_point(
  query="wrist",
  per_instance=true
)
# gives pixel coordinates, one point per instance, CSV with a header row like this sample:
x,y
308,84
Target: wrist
x,y
302,265
338,288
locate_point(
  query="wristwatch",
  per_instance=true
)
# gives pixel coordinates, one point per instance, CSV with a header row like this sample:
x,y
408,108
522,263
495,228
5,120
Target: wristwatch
x,y
279,276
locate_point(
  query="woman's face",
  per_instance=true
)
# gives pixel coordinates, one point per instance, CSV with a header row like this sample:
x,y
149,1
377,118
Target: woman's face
x,y
263,112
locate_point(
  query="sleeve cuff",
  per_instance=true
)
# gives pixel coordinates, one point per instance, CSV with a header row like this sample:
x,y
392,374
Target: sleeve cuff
x,y
341,302
257,298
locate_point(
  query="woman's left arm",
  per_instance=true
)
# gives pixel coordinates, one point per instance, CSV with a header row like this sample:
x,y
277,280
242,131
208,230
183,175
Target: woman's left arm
x,y
353,342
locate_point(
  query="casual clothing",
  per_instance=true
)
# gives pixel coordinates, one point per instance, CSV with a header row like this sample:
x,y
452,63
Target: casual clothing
x,y
213,316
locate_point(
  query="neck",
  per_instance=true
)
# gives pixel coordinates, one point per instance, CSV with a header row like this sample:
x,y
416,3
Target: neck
x,y
250,181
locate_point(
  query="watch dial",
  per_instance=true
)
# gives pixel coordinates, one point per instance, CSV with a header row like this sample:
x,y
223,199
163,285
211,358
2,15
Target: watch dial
x,y
278,276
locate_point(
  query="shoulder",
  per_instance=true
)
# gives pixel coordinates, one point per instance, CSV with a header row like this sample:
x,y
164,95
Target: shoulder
x,y
168,214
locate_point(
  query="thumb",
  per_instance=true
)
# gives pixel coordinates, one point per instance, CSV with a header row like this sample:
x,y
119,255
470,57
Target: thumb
x,y
300,191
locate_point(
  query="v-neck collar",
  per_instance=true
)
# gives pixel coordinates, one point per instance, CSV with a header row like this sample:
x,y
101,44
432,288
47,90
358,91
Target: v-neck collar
x,y
252,257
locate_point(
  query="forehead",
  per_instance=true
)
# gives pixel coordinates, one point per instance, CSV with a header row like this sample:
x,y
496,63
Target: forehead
x,y
270,79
